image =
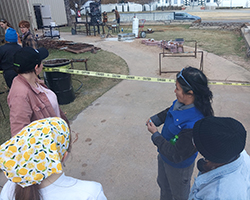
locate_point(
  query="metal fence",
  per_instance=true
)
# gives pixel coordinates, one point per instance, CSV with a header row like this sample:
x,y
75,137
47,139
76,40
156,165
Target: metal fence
x,y
154,16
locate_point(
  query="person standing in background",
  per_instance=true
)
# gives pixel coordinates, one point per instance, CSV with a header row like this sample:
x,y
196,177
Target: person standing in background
x,y
6,55
117,16
105,17
28,39
5,25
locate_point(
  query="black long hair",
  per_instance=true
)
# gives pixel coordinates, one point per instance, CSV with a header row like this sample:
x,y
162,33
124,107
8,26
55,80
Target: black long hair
x,y
199,85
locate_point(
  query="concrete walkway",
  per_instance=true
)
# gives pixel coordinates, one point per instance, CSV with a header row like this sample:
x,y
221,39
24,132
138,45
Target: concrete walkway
x,y
114,146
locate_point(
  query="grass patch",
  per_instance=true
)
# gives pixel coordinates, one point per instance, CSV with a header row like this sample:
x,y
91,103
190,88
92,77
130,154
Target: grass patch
x,y
65,29
219,42
92,87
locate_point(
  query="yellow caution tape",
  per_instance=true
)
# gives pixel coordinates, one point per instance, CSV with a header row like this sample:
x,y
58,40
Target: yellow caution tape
x,y
130,77
107,75
229,83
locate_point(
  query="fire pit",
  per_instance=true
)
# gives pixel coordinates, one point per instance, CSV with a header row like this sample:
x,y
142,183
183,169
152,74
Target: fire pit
x,y
56,62
58,82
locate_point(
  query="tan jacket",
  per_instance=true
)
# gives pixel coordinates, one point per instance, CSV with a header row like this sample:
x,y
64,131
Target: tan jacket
x,y
117,15
28,104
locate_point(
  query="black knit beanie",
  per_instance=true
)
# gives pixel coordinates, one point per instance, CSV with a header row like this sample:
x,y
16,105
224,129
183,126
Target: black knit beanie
x,y
219,139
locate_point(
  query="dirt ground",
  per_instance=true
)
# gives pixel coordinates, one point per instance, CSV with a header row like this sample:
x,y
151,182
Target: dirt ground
x,y
241,14
239,61
222,14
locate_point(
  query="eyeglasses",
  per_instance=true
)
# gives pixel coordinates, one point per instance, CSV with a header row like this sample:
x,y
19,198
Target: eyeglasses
x,y
180,75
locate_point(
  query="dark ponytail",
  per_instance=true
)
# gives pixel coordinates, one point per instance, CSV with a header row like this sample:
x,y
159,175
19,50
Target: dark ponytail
x,y
199,85
27,193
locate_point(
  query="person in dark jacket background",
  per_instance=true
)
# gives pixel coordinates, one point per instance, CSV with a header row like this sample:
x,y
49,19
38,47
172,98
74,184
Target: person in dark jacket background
x,y
28,39
6,55
117,16
5,25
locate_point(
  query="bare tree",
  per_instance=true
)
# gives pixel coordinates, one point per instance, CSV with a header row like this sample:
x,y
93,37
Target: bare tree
x,y
80,3
68,12
218,2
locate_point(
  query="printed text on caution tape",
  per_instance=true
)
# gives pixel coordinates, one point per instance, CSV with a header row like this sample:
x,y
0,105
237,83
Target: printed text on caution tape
x,y
131,77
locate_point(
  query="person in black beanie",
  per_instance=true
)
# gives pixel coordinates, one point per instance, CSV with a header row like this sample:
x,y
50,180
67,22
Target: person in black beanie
x,y
225,168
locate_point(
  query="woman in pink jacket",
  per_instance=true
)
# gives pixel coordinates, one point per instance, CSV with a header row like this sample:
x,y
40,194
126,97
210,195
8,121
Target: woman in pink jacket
x,y
29,98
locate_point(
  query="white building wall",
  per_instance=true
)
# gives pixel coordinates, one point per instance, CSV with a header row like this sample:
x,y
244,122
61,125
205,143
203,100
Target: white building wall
x,y
57,8
125,7
146,7
176,3
14,11
235,3
211,3
138,7
107,7
153,6
133,7
230,3
225,3
119,7
163,3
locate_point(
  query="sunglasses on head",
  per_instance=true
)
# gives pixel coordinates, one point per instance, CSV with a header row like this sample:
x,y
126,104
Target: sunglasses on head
x,y
180,75
2,20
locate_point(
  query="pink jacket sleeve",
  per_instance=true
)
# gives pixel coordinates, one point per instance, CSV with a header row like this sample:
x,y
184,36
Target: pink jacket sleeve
x,y
20,113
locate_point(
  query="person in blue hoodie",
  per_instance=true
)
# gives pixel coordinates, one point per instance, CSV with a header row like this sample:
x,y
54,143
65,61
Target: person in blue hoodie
x,y
176,159
6,55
